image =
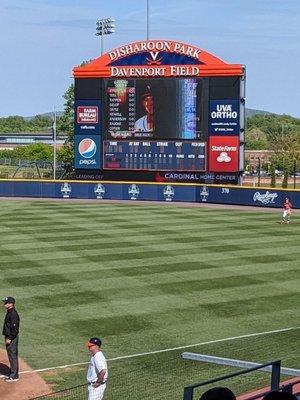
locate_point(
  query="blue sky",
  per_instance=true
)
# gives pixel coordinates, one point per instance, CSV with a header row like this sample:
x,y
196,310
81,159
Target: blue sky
x,y
41,41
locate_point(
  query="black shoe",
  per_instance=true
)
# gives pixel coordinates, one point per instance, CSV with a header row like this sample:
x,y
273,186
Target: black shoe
x,y
10,379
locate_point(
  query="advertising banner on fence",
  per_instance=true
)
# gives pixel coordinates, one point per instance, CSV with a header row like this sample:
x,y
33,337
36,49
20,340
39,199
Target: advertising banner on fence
x,y
87,152
224,117
87,117
224,153
135,191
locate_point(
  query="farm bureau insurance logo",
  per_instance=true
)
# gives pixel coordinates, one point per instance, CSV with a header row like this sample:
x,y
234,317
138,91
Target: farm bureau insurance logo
x,y
266,198
87,149
133,191
169,193
99,191
87,114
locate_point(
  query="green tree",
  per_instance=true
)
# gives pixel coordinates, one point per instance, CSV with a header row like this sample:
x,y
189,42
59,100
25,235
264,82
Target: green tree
x,y
66,124
33,152
256,139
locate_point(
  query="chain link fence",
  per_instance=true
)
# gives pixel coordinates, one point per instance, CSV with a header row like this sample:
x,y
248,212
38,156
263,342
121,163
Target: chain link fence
x,y
153,377
26,169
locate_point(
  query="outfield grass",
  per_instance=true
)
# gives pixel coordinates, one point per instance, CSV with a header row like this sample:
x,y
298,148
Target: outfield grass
x,y
148,277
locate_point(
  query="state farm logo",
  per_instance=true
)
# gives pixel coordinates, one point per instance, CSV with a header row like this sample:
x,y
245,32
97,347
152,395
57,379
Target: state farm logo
x,y
223,153
223,148
87,115
224,157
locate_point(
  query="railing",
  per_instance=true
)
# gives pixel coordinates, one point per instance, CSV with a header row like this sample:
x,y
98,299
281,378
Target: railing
x,y
274,384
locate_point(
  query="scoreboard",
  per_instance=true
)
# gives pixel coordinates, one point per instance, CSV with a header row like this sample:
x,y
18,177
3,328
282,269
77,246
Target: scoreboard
x,y
154,109
154,155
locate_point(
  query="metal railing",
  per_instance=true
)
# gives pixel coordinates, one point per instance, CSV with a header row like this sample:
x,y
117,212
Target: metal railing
x,y
188,392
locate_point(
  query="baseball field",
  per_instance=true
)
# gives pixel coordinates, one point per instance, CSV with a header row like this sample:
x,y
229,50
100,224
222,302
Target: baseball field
x,y
147,278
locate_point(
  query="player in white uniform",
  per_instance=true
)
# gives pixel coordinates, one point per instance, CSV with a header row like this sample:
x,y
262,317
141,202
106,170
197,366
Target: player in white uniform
x,y
97,371
146,122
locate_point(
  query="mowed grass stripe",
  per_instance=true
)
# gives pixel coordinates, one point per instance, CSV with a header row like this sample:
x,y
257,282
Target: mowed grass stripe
x,y
231,260
146,254
182,287
108,248
158,229
17,243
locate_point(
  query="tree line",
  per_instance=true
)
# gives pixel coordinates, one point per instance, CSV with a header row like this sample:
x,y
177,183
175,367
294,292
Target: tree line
x,y
278,133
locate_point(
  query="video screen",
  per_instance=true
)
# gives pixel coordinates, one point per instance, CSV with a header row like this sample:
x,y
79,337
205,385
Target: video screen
x,y
153,108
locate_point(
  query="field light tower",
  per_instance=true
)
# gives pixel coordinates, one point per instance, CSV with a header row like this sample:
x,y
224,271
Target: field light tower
x,y
105,27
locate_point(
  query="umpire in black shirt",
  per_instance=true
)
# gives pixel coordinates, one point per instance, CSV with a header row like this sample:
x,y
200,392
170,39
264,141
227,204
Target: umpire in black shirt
x,y
11,332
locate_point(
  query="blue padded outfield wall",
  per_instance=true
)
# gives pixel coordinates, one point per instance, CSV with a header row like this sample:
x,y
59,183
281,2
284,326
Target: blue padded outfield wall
x,y
249,196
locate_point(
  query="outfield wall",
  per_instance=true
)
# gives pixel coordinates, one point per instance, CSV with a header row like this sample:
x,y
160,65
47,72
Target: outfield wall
x,y
103,190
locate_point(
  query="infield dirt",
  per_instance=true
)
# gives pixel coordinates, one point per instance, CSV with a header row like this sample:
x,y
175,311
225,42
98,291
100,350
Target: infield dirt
x,y
30,384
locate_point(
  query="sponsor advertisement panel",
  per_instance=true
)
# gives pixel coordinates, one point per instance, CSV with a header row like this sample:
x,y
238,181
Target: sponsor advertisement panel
x,y
170,193
136,191
87,152
166,192
196,177
224,117
251,197
224,153
87,117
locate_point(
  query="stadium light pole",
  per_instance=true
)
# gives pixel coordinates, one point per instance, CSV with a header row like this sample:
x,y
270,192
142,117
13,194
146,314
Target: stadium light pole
x,y
148,20
105,27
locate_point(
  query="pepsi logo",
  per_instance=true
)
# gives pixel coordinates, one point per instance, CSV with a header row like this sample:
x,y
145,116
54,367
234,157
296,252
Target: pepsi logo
x,y
87,148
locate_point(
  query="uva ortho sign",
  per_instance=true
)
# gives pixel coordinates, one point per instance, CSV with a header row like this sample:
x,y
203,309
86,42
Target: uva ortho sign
x,y
224,117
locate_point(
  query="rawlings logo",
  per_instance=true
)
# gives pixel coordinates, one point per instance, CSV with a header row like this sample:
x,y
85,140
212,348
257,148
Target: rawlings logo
x,y
266,198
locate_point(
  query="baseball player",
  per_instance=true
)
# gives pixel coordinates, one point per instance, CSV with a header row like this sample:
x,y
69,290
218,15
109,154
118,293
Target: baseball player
x,y
97,371
287,211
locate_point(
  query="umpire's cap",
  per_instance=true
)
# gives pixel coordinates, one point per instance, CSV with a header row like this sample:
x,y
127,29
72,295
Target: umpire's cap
x,y
8,299
94,341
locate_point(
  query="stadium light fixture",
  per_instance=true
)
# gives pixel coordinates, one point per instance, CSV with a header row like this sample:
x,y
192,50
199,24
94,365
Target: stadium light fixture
x,y
105,26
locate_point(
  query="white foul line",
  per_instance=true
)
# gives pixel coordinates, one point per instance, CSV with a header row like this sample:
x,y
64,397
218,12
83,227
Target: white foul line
x,y
167,350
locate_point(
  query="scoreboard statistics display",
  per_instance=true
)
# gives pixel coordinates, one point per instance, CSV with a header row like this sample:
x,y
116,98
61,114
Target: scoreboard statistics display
x,y
153,124
154,155
121,106
153,108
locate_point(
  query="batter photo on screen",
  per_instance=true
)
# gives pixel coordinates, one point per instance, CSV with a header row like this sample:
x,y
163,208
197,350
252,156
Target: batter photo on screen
x,y
146,122
155,108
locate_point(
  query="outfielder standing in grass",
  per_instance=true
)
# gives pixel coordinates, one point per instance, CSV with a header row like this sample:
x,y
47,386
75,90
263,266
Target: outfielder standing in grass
x,y
97,372
11,337
287,211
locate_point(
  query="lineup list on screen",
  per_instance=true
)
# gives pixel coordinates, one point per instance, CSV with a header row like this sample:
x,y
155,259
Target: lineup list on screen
x,y
121,106
154,155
